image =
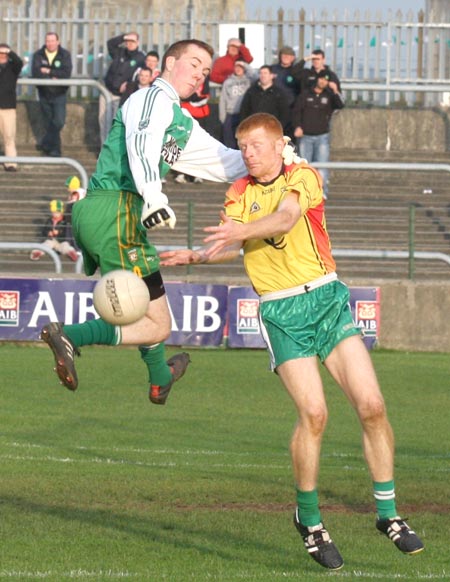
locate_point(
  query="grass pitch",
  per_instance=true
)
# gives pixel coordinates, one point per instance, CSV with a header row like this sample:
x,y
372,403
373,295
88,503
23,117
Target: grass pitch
x,y
102,485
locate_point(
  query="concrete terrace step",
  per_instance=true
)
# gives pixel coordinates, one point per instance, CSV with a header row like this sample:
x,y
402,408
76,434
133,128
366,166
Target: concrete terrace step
x,y
366,210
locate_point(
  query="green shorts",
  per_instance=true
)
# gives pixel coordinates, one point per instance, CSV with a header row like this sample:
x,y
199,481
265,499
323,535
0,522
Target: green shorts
x,y
107,227
308,324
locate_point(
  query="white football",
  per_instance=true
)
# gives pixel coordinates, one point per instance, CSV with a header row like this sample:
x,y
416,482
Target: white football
x,y
121,297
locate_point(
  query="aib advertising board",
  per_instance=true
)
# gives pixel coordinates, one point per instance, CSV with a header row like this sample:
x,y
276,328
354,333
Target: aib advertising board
x,y
202,315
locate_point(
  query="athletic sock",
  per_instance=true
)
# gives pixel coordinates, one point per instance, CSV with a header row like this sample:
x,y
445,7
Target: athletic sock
x,y
94,331
384,493
308,507
159,373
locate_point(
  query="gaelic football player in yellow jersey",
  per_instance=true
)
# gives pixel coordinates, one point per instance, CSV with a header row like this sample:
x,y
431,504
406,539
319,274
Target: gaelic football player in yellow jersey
x,y
276,214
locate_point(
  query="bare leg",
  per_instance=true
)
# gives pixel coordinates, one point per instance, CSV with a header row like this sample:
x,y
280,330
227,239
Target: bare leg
x,y
351,366
302,380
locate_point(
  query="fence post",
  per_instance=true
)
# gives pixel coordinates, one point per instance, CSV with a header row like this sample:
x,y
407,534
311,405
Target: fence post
x,y
411,240
280,40
301,33
190,231
420,20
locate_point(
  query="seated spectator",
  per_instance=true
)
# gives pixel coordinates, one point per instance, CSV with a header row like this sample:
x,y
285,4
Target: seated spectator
x,y
75,193
55,233
265,97
231,95
10,67
144,79
223,67
74,189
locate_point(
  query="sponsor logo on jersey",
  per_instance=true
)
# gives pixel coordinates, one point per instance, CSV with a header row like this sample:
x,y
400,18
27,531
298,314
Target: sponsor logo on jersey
x,y
247,316
171,151
9,308
276,244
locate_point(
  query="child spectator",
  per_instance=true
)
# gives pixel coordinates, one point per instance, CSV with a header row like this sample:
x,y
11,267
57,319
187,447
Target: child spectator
x,y
55,233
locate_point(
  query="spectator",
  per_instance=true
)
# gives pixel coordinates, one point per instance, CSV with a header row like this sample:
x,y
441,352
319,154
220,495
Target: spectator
x,y
10,67
283,73
231,95
126,58
152,62
223,67
311,117
198,106
307,77
285,79
52,61
74,193
143,80
55,233
265,97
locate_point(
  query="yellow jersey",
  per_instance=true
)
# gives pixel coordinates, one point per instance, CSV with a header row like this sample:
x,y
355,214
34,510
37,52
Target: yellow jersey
x,y
298,257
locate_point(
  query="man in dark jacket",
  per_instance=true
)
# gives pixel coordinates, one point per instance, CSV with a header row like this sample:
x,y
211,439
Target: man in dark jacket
x,y
265,97
52,61
311,118
10,67
307,77
126,58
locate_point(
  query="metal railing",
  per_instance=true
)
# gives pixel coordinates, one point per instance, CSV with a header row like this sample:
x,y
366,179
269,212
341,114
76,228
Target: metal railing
x,y
31,247
41,160
411,254
75,82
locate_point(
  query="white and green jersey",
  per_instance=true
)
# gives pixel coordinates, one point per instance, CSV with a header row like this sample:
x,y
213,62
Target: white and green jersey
x,y
151,134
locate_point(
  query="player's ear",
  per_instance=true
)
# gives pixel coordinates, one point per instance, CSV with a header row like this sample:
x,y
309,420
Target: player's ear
x,y
170,61
279,145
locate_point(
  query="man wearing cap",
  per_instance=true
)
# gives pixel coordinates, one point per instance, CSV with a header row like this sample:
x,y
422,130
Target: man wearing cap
x,y
233,91
10,67
223,67
285,79
126,58
283,73
311,117
56,234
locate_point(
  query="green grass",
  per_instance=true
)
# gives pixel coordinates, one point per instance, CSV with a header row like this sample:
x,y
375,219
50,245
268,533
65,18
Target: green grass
x,y
102,485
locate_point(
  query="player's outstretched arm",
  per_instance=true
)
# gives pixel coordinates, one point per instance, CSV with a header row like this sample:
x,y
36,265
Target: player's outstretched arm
x,y
180,257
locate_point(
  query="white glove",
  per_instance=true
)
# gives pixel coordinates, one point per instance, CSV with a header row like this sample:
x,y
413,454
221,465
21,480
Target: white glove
x,y
289,154
157,213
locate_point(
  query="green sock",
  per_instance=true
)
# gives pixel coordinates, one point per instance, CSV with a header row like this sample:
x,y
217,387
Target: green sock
x,y
308,507
159,372
384,494
94,331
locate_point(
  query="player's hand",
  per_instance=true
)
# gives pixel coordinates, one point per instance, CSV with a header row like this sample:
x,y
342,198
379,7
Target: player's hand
x,y
156,212
226,234
179,257
289,154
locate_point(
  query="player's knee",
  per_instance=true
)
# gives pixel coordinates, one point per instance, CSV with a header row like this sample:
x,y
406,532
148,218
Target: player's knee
x,y
315,420
372,410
